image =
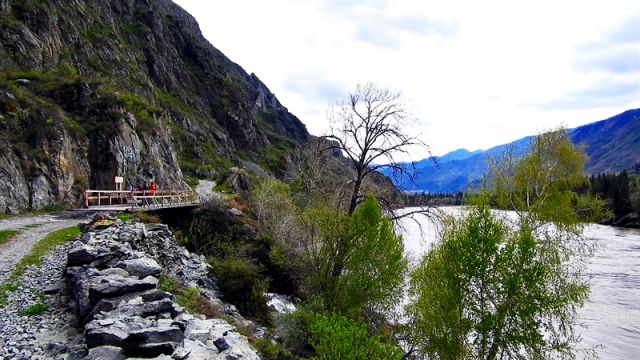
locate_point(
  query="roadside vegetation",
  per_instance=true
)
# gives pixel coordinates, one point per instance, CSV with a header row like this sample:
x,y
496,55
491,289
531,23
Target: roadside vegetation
x,y
6,235
43,247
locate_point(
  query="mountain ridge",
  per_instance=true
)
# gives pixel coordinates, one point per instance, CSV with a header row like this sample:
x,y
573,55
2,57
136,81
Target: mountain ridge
x,y
611,145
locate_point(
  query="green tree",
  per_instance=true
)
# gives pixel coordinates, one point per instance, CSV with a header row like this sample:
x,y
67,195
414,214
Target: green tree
x,y
362,266
509,287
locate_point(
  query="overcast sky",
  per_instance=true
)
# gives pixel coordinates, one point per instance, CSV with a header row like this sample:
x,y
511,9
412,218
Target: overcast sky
x,y
476,73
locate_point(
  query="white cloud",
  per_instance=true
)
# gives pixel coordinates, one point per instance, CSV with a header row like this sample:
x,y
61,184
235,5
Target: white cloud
x,y
477,73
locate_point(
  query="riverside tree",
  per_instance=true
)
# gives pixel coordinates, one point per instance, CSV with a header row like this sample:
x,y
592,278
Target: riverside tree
x,y
500,287
369,129
362,265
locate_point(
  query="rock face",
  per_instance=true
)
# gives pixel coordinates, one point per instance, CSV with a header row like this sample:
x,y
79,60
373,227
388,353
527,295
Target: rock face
x,y
94,89
113,274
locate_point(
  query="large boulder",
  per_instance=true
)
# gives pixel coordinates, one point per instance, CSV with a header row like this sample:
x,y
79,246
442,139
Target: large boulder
x,y
81,255
141,267
111,286
239,180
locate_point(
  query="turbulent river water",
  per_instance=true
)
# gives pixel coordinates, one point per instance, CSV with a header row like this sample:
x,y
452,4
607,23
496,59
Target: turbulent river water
x,y
611,318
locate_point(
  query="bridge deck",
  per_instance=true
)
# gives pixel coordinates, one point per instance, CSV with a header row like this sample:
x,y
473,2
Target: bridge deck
x,y
113,200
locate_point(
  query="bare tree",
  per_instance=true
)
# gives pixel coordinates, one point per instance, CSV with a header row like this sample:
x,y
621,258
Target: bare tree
x,y
369,129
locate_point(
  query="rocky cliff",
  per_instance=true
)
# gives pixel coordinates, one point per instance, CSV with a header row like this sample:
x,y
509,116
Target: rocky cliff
x,y
91,89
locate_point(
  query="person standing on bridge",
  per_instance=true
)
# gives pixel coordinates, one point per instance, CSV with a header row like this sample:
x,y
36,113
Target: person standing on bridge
x,y
152,190
145,192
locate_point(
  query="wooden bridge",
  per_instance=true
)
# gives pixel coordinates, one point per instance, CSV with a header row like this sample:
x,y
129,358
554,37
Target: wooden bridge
x,y
116,200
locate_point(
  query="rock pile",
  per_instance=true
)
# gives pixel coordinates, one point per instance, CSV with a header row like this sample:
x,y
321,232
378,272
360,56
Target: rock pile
x,y
114,275
49,335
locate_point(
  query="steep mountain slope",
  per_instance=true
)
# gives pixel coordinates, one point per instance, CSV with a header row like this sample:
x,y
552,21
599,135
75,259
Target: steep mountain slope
x,y
612,145
94,89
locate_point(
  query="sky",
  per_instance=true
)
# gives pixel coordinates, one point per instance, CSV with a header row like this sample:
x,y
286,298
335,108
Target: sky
x,y
474,73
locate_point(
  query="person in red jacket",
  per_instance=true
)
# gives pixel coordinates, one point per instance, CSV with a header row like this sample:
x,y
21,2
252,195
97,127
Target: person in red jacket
x,y
152,190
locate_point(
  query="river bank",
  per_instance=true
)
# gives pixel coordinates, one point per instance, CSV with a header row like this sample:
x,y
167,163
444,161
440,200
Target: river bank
x,y
611,317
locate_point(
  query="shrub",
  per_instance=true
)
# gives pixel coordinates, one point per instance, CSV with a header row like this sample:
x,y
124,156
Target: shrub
x,y
335,337
190,298
147,218
242,285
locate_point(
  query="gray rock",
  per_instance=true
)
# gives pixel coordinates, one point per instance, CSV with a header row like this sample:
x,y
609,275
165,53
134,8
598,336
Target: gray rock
x,y
141,267
115,285
105,353
221,344
146,309
197,350
107,305
156,335
80,255
198,329
115,271
105,335
238,180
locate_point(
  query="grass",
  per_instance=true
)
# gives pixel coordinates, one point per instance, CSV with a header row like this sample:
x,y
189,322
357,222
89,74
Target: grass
x,y
6,235
43,247
189,298
124,216
4,289
34,310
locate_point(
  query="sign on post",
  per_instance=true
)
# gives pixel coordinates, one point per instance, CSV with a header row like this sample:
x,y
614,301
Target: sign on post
x,y
119,180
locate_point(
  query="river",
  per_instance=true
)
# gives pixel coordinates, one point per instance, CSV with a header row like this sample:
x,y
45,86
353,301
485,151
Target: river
x,y
611,318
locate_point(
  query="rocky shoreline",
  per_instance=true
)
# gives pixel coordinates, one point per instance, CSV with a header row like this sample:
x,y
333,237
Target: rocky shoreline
x,y
103,302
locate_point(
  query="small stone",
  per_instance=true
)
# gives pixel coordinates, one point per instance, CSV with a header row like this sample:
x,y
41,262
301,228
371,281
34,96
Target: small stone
x,y
221,344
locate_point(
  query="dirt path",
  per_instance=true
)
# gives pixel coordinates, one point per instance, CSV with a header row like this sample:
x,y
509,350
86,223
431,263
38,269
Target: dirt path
x,y
33,229
205,191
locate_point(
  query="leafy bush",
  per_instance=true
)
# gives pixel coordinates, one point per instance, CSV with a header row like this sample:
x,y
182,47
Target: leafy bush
x,y
335,337
362,268
242,285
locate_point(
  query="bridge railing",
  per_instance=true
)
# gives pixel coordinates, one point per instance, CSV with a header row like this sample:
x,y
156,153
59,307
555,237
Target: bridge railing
x,y
145,199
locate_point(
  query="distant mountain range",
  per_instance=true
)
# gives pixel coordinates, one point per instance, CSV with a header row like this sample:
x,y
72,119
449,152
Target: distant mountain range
x,y
612,146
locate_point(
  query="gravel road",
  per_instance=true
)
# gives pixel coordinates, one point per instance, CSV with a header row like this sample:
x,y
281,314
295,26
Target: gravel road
x,y
33,229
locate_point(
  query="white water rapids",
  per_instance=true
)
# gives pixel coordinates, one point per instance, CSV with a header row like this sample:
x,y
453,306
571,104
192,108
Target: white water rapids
x,y
612,315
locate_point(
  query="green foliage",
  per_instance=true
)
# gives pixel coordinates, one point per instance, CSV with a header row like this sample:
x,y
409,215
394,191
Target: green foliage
x,y
335,337
34,310
43,247
543,185
242,285
124,216
497,287
133,28
363,269
617,190
6,235
97,33
144,112
189,298
270,350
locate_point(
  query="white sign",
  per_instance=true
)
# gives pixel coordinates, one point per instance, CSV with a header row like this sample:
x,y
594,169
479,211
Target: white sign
x,y
119,179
